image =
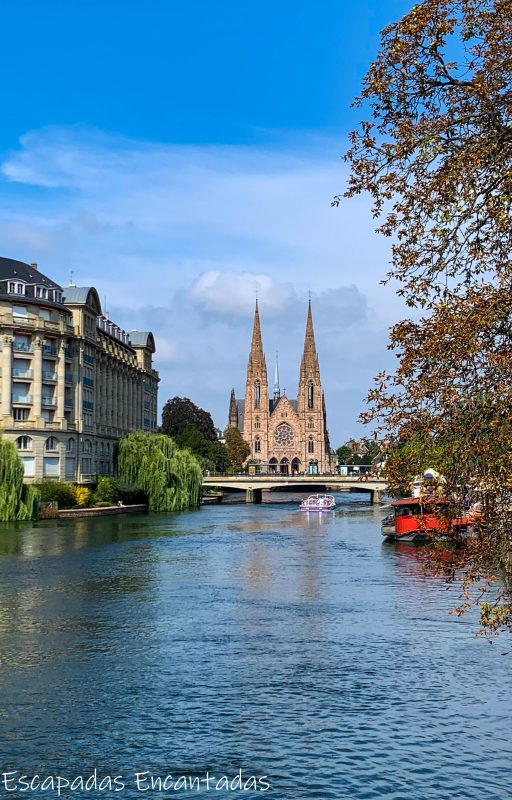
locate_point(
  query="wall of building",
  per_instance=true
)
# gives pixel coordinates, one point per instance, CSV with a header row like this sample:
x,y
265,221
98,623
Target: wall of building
x,y
72,384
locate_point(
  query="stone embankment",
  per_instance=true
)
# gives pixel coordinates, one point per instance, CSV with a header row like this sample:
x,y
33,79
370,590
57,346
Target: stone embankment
x,y
106,511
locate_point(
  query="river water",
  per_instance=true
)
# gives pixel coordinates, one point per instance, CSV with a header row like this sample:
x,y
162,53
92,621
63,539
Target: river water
x,y
297,648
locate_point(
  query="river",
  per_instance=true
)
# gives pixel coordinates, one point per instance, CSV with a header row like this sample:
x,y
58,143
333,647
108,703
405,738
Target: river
x,y
297,648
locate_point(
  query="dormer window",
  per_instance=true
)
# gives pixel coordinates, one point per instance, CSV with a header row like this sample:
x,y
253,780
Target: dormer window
x,y
57,296
16,288
42,292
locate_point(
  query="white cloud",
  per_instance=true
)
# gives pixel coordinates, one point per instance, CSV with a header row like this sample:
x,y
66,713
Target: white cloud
x,y
235,293
180,238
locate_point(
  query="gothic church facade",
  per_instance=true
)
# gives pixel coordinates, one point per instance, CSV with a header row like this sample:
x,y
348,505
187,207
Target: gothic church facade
x,y
286,436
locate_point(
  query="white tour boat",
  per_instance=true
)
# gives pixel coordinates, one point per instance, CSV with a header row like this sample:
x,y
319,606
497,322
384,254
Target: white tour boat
x,y
318,502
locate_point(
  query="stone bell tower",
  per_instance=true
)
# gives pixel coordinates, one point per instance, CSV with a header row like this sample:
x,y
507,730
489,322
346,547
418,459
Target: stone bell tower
x,y
256,409
310,403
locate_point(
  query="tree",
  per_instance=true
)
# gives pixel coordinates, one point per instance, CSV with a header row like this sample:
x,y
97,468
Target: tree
x,y
180,412
212,455
17,502
171,478
435,155
345,455
237,447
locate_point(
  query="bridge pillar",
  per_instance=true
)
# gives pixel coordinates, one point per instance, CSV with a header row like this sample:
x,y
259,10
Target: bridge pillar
x,y
253,495
375,496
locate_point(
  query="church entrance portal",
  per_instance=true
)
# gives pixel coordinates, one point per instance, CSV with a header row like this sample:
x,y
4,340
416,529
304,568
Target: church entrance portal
x,y
295,466
285,466
313,468
272,466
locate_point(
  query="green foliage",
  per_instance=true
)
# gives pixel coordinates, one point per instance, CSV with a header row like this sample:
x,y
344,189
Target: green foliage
x,y
107,491
211,455
181,412
56,492
17,501
237,448
171,478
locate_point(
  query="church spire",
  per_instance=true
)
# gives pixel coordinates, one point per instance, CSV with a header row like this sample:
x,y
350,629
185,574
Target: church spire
x,y
277,389
309,364
233,411
257,356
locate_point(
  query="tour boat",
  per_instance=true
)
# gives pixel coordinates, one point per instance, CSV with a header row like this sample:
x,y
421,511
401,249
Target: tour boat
x,y
418,519
318,502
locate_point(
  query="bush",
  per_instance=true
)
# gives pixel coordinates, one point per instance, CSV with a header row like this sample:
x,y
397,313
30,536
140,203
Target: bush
x,y
56,492
83,496
107,491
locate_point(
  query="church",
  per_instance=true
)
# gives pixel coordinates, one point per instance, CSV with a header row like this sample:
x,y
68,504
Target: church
x,y
287,437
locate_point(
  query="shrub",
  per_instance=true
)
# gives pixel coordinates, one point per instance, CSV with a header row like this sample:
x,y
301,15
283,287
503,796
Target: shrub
x,y
83,496
56,492
107,491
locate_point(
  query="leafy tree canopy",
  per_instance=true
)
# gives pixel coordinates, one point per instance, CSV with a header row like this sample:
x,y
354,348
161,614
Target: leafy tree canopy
x,y
212,455
237,448
171,478
435,153
179,412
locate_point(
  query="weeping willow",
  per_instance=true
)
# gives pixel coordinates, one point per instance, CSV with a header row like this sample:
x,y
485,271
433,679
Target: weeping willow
x,y
171,478
17,502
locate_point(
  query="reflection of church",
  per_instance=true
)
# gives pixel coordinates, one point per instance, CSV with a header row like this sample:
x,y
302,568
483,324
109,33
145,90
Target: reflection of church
x,y
286,436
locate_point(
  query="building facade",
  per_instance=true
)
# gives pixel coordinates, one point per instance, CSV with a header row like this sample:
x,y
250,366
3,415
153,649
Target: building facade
x,y
72,382
286,436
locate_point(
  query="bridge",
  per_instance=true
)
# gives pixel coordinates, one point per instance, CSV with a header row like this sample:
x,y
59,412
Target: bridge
x,y
254,485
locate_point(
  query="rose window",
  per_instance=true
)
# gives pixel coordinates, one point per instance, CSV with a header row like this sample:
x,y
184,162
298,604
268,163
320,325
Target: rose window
x,y
284,435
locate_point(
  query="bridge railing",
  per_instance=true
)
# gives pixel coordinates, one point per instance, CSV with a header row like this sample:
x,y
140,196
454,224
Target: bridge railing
x,y
355,471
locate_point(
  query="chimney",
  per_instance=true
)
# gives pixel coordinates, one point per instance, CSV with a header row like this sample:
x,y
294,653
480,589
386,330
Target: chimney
x,y
34,264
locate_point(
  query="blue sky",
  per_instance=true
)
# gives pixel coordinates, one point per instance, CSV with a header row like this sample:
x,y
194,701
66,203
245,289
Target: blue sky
x,y
181,156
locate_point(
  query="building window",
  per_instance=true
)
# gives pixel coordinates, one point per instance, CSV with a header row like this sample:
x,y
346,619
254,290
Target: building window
x,y
257,423
71,446
20,414
311,445
284,435
24,443
52,443
19,311
257,394
257,445
310,395
16,288
42,292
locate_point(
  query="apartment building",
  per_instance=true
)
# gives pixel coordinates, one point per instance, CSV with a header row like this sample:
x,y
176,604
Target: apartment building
x,y
72,381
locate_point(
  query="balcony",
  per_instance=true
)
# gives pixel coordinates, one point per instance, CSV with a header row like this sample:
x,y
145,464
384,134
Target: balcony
x,y
49,350
88,405
68,353
22,400
68,402
48,401
88,382
88,359
19,373
68,377
22,347
49,376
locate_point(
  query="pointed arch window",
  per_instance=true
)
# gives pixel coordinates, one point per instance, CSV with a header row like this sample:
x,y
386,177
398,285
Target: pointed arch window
x,y
311,395
311,445
257,445
257,423
257,394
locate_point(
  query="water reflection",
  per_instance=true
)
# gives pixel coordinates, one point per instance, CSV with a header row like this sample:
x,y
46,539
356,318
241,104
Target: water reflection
x,y
289,644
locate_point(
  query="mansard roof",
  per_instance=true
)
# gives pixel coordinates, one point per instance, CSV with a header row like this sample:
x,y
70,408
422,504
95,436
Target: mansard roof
x,y
83,296
10,269
142,339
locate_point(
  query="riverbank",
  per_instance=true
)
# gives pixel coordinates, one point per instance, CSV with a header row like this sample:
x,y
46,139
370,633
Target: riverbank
x,y
106,511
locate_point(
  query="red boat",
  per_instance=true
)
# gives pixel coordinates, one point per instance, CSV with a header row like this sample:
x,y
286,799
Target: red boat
x,y
417,519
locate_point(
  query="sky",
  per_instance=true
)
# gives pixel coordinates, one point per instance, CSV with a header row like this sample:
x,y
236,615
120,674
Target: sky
x,y
182,158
